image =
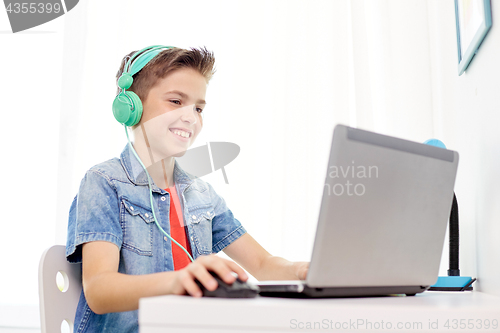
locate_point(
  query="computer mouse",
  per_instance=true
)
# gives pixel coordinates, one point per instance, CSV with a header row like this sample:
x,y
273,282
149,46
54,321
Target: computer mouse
x,y
238,289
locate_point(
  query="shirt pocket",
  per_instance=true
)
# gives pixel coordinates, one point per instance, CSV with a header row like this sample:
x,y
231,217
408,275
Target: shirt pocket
x,y
137,226
200,219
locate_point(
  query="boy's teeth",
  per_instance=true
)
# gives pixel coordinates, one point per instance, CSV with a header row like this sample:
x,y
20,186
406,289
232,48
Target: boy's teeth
x,y
182,133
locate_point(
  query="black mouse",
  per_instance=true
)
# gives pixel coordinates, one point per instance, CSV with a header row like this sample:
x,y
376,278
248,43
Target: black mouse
x,y
238,289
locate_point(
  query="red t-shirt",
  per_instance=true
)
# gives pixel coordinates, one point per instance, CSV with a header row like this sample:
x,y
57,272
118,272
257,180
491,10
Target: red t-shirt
x,y
178,231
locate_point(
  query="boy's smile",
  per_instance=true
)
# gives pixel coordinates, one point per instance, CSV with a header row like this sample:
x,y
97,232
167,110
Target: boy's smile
x,y
181,132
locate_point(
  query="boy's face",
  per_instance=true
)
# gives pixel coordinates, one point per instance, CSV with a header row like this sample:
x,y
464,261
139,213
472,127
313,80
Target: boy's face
x,y
173,107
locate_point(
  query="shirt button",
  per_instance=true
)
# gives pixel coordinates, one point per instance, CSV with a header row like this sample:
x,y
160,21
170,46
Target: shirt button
x,y
131,208
163,199
193,217
165,238
191,237
146,215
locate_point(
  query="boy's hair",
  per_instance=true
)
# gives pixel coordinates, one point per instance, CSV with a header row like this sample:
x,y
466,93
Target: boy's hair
x,y
165,62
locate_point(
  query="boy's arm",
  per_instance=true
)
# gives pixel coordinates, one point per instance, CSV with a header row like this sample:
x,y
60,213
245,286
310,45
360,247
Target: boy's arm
x,y
106,290
247,252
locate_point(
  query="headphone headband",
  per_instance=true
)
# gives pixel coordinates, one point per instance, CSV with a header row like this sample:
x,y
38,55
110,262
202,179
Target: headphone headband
x,y
142,57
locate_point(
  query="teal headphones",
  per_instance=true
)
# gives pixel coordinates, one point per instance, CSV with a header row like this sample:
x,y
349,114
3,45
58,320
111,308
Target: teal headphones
x,y
127,106
127,109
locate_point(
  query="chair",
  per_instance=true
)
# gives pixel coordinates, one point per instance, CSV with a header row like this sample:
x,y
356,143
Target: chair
x,y
58,308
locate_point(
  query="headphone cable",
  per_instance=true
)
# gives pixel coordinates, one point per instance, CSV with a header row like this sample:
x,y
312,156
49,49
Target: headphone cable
x,y
151,197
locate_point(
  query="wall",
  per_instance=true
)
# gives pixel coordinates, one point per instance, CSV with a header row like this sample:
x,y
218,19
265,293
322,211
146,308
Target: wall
x,y
464,109
471,114
404,82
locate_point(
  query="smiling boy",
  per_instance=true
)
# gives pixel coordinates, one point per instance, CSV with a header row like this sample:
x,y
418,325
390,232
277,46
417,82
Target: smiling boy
x,y
111,227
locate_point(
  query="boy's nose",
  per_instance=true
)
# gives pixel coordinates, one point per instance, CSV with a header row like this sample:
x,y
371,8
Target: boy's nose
x,y
189,114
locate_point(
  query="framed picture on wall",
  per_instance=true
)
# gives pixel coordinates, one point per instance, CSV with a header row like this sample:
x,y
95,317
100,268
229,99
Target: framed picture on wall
x,y
473,21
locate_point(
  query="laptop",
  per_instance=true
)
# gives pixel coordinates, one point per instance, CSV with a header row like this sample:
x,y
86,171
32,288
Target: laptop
x,y
383,217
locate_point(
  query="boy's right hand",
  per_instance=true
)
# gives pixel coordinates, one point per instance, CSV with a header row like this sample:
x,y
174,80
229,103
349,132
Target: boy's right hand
x,y
184,281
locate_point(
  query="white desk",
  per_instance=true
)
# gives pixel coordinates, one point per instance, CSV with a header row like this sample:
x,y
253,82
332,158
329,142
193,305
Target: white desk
x,y
427,312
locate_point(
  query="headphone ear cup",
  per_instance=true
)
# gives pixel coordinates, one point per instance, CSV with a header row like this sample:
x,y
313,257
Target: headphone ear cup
x,y
124,112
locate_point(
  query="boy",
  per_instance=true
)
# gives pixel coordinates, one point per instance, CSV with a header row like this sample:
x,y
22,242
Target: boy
x,y
112,229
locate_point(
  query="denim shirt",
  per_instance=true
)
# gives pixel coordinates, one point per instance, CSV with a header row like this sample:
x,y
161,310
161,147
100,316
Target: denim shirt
x,y
113,205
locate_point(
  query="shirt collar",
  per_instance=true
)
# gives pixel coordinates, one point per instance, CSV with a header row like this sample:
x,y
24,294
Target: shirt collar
x,y
136,173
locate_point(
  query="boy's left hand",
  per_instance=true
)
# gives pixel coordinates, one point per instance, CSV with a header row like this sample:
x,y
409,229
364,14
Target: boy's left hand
x,y
301,268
